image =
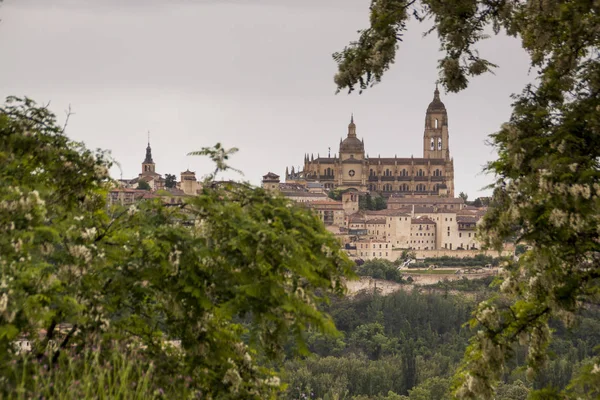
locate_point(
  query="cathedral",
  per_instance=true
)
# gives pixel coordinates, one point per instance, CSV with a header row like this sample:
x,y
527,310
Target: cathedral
x,y
430,176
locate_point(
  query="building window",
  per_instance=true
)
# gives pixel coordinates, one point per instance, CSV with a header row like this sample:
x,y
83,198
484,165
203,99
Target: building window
x,y
448,233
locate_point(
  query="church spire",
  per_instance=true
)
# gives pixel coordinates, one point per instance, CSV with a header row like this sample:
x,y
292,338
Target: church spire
x,y
148,159
148,164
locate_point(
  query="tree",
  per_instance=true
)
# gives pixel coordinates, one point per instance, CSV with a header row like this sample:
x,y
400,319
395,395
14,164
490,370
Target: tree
x,y
170,181
463,196
547,175
201,296
380,203
143,185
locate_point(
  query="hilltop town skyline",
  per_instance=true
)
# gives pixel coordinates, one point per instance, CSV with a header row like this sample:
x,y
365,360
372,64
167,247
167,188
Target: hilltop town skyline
x,y
262,82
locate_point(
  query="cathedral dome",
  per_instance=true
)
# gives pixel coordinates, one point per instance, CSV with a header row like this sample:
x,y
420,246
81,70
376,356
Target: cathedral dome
x,y
352,144
436,105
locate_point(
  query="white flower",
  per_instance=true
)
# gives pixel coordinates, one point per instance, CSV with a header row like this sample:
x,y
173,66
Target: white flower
x,y
89,233
3,302
273,381
81,252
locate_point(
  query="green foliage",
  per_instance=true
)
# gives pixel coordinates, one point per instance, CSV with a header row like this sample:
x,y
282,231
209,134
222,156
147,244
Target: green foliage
x,y
547,189
373,203
113,373
465,285
143,185
74,272
418,339
479,260
380,269
335,194
170,181
459,25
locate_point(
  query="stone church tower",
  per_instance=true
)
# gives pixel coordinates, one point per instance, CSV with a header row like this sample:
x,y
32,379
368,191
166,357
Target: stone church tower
x,y
435,138
148,164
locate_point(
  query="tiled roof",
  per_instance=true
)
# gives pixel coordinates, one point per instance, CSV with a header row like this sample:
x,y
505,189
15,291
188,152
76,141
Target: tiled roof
x,y
426,200
303,194
422,220
390,213
465,219
271,175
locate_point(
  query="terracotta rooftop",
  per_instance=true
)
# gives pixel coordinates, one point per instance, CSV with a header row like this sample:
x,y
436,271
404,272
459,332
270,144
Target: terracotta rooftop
x,y
436,200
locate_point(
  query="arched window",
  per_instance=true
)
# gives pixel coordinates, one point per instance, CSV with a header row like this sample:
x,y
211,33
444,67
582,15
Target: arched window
x,y
404,187
439,143
404,172
437,172
388,172
432,144
371,172
420,187
420,172
387,187
436,123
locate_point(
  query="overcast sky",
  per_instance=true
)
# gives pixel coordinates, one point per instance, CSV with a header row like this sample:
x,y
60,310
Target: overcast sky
x,y
255,74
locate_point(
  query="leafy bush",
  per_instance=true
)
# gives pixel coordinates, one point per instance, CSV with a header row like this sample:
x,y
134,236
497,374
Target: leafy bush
x,y
73,269
380,269
480,260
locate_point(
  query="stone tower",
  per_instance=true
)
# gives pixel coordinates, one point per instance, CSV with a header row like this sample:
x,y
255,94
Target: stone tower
x,y
148,165
435,138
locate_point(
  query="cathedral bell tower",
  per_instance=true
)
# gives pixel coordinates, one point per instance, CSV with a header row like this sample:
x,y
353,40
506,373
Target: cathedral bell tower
x,y
435,138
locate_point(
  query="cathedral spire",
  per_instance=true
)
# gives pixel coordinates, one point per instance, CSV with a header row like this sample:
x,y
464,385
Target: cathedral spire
x,y
352,127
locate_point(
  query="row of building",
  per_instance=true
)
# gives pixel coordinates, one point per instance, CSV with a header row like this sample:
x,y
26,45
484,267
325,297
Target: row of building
x,y
422,212
129,190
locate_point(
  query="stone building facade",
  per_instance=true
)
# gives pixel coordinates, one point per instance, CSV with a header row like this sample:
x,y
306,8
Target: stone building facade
x,y
431,175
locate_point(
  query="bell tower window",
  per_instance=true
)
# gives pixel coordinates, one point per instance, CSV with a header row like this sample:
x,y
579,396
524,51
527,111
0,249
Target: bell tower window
x,y
436,123
439,143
